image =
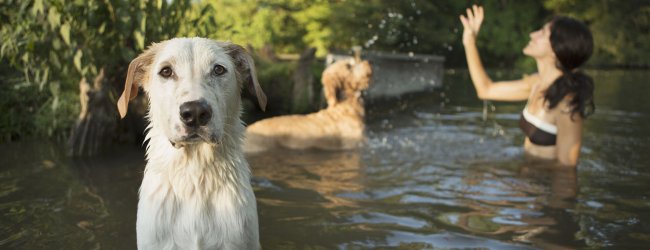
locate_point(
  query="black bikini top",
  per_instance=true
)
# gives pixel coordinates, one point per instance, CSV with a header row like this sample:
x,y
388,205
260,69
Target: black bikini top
x,y
539,132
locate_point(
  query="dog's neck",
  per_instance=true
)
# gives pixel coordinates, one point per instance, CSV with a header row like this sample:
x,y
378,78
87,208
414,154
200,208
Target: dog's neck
x,y
198,170
353,101
225,157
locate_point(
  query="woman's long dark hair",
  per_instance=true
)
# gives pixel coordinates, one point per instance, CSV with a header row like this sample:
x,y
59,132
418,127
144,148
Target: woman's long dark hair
x,y
573,44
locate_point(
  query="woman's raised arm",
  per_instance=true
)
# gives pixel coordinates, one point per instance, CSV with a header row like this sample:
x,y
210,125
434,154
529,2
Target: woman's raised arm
x,y
517,90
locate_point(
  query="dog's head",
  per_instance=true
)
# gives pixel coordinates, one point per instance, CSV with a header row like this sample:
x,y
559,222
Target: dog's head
x,y
193,85
361,74
357,74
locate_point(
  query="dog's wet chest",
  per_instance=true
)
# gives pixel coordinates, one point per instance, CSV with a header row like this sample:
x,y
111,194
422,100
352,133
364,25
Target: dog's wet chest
x,y
195,213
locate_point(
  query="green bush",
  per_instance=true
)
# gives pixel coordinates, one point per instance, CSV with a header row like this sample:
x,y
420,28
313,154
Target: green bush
x,y
275,79
28,111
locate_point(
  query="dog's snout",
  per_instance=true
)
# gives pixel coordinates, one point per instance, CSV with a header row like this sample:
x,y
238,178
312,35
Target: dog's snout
x,y
195,113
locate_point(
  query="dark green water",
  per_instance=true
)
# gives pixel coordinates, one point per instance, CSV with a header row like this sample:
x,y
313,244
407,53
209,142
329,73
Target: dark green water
x,y
434,174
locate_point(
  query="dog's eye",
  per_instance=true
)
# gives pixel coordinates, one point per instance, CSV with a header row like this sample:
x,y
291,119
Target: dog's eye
x,y
166,72
219,70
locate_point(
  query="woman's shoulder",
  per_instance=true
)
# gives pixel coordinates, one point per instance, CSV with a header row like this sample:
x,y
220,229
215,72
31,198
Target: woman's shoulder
x,y
566,105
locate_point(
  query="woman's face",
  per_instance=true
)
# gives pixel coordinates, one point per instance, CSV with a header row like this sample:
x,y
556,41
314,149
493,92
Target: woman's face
x,y
540,43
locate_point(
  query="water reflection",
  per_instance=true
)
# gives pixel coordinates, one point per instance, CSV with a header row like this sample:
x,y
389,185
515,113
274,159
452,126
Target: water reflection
x,y
531,204
352,199
49,201
430,175
298,194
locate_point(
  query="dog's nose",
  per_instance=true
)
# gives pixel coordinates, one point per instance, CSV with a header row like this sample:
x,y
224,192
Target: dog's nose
x,y
195,113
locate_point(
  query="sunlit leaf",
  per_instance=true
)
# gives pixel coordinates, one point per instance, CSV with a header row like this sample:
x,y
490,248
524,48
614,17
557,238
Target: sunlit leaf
x,y
26,75
143,22
6,45
139,39
54,18
65,33
56,43
25,58
38,7
102,28
55,103
44,79
55,88
77,60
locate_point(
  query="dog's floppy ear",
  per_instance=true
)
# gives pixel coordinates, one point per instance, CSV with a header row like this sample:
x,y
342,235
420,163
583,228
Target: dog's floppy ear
x,y
246,70
135,76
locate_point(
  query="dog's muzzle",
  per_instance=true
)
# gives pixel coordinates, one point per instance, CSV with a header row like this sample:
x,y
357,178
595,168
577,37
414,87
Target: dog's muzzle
x,y
196,138
195,116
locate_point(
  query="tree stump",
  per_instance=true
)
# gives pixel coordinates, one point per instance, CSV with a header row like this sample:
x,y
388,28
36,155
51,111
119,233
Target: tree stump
x,y
303,83
97,119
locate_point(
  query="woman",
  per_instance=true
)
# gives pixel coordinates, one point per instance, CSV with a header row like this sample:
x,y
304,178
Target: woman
x,y
559,95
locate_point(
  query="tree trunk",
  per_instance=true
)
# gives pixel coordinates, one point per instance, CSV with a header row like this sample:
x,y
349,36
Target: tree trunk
x,y
97,119
303,84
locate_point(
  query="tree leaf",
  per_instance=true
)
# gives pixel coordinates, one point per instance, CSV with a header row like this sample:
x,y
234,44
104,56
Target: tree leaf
x,y
65,33
25,58
143,22
38,7
77,60
44,79
102,28
6,46
54,60
55,103
54,18
139,39
26,75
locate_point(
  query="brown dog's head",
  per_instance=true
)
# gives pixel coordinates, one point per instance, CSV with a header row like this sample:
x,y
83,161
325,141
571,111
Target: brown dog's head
x,y
193,85
358,75
345,79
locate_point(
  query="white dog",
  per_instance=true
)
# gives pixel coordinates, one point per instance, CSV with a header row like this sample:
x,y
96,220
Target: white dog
x,y
196,191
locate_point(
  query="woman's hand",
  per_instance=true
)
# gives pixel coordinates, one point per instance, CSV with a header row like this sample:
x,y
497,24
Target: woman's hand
x,y
471,24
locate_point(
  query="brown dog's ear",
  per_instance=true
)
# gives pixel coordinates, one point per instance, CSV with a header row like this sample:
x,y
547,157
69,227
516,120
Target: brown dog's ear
x,y
135,76
246,70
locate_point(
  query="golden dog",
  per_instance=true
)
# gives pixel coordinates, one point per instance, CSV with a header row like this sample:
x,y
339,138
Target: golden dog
x,y
339,126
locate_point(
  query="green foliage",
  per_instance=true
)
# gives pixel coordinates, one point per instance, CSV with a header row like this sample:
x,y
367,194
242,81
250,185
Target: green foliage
x,y
620,28
50,45
288,25
400,26
433,27
506,30
19,100
417,26
275,80
56,43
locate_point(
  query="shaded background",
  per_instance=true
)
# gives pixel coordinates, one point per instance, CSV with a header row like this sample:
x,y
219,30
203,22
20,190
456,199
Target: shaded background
x,y
53,51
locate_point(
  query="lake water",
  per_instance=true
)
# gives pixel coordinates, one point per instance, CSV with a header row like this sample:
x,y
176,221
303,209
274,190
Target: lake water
x,y
436,172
